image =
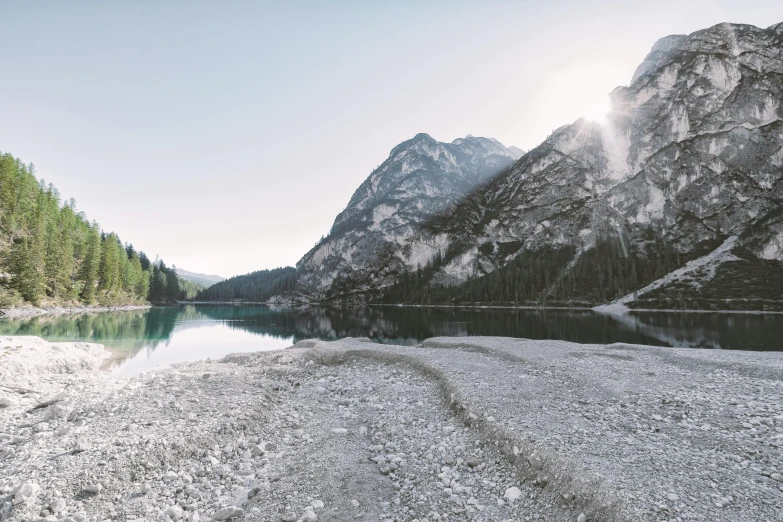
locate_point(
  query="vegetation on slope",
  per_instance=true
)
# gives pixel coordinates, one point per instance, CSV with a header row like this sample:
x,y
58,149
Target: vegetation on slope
x,y
746,283
255,287
50,254
615,266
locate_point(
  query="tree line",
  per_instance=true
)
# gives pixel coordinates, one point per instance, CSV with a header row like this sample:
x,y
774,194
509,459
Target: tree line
x,y
255,287
616,265
51,254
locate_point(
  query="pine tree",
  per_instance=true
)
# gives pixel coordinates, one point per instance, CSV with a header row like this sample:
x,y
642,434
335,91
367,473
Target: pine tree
x,y
91,265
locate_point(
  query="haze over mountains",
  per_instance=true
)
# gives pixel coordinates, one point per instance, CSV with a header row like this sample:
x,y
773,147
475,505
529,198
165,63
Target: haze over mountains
x,y
688,163
201,279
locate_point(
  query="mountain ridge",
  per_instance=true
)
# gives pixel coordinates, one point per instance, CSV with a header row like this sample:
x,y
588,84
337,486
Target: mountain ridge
x,y
684,176
420,177
690,154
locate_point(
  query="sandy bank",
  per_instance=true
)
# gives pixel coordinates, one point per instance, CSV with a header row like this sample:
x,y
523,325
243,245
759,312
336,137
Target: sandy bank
x,y
482,429
25,312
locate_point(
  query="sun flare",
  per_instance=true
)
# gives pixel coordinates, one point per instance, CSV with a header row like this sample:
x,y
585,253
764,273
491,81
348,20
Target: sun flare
x,y
599,110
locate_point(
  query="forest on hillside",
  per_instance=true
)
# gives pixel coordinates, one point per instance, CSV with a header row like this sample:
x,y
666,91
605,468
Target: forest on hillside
x,y
51,254
615,266
254,287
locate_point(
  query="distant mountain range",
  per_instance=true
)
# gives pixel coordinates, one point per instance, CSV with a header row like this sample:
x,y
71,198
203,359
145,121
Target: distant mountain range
x,y
674,201
202,279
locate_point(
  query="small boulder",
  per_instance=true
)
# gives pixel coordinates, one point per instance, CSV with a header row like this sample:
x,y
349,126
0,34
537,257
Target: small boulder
x,y
228,513
26,493
309,515
93,488
257,450
57,505
174,512
512,494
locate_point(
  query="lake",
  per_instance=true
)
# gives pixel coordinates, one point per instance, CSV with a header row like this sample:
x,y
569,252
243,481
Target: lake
x,y
144,339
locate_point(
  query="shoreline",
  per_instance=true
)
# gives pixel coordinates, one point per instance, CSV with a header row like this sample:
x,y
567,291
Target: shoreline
x,y
488,427
595,309
28,312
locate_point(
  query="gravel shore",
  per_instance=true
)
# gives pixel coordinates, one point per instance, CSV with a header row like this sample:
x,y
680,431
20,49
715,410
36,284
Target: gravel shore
x,y
480,429
26,312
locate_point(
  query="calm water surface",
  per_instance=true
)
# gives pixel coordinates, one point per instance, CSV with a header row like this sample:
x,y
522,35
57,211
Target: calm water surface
x,y
161,336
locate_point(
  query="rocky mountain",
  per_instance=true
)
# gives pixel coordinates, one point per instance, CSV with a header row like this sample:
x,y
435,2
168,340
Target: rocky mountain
x,y
690,157
687,165
375,238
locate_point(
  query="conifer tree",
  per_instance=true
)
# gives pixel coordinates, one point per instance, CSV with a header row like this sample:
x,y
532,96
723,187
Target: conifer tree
x,y
91,265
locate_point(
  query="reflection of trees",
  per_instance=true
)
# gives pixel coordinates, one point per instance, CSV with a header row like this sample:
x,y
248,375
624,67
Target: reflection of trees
x,y
709,330
125,331
134,330
405,324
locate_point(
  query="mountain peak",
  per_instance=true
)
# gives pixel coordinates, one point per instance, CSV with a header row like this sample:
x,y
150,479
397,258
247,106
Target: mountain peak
x,y
659,51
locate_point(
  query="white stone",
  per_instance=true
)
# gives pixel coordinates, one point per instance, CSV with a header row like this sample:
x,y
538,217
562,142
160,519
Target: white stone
x,y
174,512
27,492
512,494
228,513
93,488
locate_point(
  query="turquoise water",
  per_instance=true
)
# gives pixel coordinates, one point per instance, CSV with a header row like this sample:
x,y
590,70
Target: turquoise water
x,y
164,335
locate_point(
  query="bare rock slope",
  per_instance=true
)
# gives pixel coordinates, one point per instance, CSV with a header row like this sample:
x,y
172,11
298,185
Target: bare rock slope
x,y
372,240
692,152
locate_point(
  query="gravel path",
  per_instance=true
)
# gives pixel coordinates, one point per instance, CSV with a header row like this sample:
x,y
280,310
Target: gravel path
x,y
479,429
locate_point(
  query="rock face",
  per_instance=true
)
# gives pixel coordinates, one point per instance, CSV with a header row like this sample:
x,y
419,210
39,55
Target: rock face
x,y
690,157
375,236
689,160
693,149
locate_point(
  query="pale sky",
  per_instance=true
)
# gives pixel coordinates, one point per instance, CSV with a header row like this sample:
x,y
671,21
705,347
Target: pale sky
x,y
225,136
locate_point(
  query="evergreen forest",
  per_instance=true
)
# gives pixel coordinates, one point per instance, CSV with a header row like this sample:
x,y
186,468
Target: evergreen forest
x,y
254,287
51,254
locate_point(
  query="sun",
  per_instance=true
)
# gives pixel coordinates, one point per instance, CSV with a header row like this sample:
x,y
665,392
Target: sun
x,y
599,110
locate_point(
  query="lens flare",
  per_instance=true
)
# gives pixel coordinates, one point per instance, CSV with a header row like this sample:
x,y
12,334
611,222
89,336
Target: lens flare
x,y
599,110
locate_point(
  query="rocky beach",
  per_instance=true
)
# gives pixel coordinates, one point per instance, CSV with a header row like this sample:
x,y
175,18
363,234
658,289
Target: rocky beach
x,y
480,428
26,312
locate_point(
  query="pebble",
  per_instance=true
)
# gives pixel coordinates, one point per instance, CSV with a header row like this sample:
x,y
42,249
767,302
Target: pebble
x,y
227,513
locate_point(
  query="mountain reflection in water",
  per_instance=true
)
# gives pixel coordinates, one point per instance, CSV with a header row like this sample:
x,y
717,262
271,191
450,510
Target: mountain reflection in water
x,y
163,335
